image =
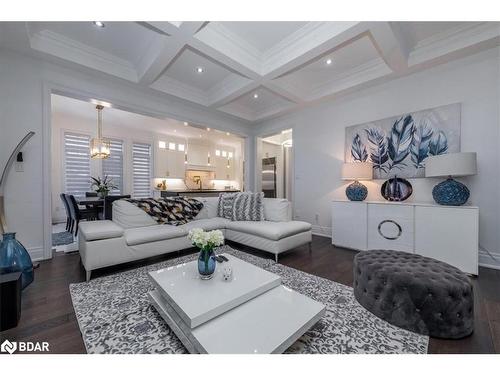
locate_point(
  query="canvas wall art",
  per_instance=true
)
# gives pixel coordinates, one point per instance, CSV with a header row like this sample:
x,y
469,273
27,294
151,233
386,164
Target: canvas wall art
x,y
399,145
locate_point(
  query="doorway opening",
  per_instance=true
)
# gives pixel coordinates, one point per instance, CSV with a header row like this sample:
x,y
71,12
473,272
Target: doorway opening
x,y
277,165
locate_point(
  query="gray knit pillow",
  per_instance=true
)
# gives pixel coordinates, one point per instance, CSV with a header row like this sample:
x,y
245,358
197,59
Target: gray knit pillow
x,y
248,207
225,205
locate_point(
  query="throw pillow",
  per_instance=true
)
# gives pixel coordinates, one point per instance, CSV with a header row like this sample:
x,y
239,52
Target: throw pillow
x,y
225,206
248,207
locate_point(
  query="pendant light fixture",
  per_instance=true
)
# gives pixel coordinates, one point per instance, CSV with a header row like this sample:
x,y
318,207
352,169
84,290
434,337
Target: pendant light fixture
x,y
99,147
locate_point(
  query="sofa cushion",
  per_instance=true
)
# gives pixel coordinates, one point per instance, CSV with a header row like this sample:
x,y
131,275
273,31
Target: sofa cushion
x,y
99,230
209,209
270,229
136,236
277,209
127,215
207,224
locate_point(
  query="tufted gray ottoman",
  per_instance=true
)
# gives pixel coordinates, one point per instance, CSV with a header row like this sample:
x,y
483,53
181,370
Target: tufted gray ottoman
x,y
416,293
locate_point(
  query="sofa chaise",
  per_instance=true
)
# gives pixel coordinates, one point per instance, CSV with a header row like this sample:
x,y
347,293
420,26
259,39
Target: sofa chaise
x,y
132,234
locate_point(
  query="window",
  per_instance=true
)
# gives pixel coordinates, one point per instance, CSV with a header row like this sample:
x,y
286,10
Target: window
x,y
113,166
224,154
162,144
171,146
141,168
229,154
76,164
181,147
217,152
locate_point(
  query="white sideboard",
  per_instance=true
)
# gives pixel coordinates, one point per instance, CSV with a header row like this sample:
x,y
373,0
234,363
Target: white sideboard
x,y
449,234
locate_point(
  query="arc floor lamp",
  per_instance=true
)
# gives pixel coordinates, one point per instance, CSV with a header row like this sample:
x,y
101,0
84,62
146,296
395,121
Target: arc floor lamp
x,y
5,173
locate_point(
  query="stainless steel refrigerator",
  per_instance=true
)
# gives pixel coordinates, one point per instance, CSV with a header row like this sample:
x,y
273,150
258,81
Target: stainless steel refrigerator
x,y
269,177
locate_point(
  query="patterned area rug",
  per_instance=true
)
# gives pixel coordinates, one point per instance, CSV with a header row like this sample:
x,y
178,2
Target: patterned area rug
x,y
62,238
115,315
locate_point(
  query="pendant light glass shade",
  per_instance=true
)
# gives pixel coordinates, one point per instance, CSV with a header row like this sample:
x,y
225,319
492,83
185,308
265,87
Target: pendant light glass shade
x,y
100,148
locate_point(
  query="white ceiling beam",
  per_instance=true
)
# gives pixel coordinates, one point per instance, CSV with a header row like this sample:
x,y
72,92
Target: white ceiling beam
x,y
165,49
278,90
246,88
321,38
391,45
158,58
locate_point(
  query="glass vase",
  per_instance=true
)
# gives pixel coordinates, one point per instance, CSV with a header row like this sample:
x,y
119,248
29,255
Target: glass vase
x,y
15,258
206,263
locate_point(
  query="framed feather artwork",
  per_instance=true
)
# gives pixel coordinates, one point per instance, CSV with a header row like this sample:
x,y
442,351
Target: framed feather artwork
x,y
400,145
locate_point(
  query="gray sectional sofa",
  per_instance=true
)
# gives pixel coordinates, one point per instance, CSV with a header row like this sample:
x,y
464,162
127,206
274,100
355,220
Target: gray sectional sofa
x,y
134,235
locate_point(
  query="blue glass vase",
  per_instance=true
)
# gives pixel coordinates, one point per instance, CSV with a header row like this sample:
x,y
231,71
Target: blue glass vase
x,y
15,258
206,263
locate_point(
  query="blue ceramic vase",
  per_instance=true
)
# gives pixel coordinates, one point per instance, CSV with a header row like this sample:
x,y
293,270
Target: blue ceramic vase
x,y
206,263
15,258
450,192
356,191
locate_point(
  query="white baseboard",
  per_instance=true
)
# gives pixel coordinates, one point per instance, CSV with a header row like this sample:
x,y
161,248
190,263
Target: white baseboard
x,y
36,253
318,230
485,260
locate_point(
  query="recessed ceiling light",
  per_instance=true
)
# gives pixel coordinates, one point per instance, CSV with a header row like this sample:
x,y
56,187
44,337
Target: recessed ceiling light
x,y
255,96
208,129
328,61
199,70
99,24
227,133
185,123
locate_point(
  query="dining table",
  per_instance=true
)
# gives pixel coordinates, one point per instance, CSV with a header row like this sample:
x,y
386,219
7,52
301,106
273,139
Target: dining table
x,y
91,201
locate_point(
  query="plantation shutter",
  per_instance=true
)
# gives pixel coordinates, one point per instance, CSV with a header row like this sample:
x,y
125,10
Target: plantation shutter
x,y
76,164
141,165
113,166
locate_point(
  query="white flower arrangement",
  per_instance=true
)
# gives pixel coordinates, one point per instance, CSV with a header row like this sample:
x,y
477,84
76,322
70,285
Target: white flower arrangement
x,y
206,240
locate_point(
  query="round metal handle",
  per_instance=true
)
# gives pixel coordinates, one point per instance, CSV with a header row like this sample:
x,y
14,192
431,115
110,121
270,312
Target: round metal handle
x,y
392,222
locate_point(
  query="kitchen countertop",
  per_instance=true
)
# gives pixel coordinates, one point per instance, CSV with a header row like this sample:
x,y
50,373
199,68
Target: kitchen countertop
x,y
201,191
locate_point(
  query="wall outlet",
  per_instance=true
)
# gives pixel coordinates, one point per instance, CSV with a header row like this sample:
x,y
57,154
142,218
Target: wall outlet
x,y
19,167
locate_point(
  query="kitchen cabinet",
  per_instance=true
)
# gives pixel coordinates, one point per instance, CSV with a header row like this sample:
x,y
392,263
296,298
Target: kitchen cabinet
x,y
198,154
169,163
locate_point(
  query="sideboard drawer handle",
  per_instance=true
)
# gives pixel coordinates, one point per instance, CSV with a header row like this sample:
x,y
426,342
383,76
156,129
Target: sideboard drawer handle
x,y
392,222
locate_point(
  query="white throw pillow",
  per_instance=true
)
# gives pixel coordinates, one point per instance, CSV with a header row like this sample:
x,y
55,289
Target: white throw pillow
x,y
209,209
277,209
127,215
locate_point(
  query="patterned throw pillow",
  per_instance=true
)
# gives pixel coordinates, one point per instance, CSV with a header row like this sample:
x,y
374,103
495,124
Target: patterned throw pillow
x,y
171,210
248,207
225,206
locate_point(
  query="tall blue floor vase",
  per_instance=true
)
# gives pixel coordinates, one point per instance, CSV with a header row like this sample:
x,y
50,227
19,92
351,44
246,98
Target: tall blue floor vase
x,y
15,258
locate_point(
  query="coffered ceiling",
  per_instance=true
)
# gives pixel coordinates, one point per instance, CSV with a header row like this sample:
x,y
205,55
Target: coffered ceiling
x,y
254,70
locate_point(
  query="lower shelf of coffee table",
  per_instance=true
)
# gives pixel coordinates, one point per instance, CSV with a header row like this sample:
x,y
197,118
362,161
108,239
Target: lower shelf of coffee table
x,y
269,323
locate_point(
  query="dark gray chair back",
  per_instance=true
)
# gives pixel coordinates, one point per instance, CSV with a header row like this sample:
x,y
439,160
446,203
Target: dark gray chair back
x,y
66,206
89,194
108,205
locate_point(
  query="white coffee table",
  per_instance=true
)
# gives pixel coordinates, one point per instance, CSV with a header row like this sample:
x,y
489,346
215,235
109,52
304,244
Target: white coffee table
x,y
253,313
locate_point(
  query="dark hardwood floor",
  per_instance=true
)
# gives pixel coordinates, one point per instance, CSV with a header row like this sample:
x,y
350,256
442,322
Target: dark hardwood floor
x,y
48,315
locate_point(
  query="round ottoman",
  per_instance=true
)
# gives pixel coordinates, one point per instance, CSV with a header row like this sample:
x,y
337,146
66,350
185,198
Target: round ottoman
x,y
416,293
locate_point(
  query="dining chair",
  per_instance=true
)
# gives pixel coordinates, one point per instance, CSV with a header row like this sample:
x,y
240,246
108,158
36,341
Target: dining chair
x,y
78,214
108,205
66,208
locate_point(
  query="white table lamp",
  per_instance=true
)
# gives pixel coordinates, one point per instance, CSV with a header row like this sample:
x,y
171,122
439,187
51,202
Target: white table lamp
x,y
357,171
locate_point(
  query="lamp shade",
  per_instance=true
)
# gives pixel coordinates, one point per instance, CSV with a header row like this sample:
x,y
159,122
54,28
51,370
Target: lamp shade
x,y
357,171
456,164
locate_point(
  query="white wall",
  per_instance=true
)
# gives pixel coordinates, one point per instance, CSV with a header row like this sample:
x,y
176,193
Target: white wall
x,y
25,106
319,138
